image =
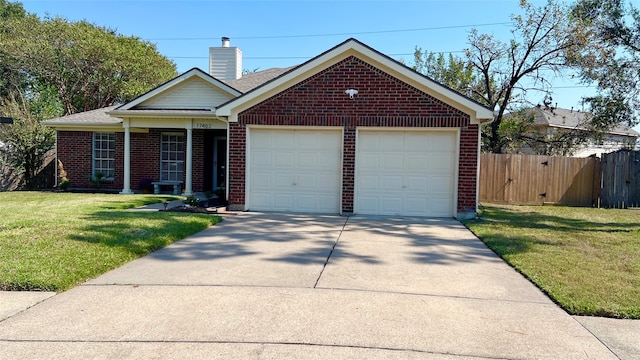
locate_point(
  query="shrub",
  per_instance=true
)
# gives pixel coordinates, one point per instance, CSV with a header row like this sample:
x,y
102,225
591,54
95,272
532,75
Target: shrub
x,y
64,183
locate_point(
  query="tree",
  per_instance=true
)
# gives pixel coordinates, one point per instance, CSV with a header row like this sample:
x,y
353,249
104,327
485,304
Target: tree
x,y
27,140
499,74
10,79
90,66
452,71
612,59
507,71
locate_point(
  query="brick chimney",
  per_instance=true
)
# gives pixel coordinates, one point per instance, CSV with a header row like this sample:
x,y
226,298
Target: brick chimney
x,y
225,62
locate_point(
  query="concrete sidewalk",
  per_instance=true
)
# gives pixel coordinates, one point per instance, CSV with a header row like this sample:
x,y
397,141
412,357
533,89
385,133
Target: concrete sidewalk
x,y
308,286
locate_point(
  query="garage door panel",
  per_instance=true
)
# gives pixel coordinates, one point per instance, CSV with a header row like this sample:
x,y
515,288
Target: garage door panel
x,y
416,162
294,170
283,159
417,184
368,182
325,161
391,161
261,183
261,199
417,205
443,142
304,160
440,184
261,158
405,172
368,162
326,183
389,142
390,205
417,143
440,206
392,183
284,140
282,202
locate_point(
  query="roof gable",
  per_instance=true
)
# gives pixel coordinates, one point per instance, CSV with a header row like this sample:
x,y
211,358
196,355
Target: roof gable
x,y
478,113
572,119
192,90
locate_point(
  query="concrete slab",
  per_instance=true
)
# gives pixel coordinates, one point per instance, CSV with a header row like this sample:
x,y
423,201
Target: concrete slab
x,y
422,256
396,288
622,336
247,250
13,302
317,317
200,350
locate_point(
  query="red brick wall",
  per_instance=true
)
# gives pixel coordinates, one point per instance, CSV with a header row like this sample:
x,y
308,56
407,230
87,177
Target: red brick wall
x,y
74,151
382,100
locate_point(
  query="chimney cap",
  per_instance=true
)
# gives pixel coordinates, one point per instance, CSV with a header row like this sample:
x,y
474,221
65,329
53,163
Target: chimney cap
x,y
225,41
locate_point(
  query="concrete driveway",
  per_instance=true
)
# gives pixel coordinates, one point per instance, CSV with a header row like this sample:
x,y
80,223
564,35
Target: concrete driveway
x,y
269,286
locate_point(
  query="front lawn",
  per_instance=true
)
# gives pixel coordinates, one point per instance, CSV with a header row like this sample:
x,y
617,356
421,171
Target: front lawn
x,y
54,241
585,259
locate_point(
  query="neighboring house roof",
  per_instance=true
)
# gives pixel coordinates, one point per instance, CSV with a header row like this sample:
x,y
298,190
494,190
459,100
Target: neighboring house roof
x,y
352,47
91,117
252,80
572,119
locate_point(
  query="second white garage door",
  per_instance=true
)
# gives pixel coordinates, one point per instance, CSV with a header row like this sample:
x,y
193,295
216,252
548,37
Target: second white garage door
x,y
406,173
294,170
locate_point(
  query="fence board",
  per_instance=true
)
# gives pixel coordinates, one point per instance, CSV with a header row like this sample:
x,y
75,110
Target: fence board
x,y
621,179
535,179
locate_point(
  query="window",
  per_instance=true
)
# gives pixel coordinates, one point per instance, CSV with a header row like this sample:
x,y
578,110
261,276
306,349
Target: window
x,y
172,157
104,149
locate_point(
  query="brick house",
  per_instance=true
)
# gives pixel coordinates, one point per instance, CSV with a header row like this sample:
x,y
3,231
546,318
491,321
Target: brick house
x,y
349,131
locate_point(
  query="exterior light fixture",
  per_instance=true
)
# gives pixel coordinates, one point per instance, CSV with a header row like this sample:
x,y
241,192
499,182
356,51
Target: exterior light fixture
x,y
351,92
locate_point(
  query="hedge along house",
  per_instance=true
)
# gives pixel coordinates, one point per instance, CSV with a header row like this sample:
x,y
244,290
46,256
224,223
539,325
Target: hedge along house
x,y
349,131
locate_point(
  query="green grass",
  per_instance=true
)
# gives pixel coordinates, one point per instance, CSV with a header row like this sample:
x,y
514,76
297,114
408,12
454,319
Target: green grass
x,y
55,241
585,259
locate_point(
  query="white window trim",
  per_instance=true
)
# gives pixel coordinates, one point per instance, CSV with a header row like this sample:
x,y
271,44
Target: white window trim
x,y
94,170
181,177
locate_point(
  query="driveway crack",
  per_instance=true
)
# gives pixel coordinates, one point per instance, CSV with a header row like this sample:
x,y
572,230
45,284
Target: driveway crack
x,y
335,243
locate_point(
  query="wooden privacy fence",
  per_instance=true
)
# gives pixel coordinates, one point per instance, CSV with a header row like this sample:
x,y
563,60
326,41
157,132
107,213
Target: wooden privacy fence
x,y
537,180
620,179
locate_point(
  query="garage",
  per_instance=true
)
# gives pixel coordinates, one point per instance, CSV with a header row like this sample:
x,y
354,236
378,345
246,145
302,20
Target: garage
x,y
410,173
294,170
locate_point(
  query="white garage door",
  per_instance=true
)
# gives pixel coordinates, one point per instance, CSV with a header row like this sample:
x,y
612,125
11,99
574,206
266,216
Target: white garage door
x,y
406,173
295,170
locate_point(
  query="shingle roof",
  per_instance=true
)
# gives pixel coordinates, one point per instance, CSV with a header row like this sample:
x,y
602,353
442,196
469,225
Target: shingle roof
x,y
97,116
252,80
558,117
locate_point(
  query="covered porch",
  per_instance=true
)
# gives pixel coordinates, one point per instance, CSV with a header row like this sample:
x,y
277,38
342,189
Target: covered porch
x,y
187,153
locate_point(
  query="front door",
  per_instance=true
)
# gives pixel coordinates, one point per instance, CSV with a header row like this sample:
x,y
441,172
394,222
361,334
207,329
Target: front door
x,y
219,162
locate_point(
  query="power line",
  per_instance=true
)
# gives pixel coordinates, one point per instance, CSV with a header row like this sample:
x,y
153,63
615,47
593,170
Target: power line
x,y
298,57
334,34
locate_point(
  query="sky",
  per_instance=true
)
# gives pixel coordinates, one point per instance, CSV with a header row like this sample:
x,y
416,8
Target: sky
x,y
285,33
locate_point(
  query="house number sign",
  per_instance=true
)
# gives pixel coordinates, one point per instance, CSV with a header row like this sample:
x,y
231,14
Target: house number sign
x,y
203,126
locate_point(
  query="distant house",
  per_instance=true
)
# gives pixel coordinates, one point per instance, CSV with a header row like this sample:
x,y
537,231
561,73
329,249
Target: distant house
x,y
549,121
349,131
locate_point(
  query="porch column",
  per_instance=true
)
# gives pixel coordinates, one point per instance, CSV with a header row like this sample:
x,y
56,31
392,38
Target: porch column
x,y
127,158
189,166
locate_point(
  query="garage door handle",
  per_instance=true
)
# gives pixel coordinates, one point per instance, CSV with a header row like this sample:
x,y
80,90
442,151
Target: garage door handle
x,y
294,184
